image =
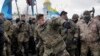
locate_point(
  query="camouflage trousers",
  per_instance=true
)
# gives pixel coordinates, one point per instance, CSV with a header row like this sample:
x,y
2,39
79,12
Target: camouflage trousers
x,y
94,47
41,50
23,46
49,52
7,50
1,48
72,49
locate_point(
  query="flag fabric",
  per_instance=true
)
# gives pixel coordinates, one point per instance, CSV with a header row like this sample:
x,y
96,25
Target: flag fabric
x,y
15,0
52,11
31,2
7,9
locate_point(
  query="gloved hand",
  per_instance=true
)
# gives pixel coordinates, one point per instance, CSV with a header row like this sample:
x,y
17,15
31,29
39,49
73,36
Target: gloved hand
x,y
66,25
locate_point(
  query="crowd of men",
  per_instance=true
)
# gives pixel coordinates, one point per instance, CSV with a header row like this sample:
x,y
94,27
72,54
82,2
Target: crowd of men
x,y
58,36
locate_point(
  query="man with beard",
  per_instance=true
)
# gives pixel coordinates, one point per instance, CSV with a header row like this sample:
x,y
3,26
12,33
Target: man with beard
x,y
75,18
71,41
75,42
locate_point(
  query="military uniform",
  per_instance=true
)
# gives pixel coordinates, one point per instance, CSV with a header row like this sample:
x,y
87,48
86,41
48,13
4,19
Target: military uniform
x,y
89,37
53,43
23,36
8,36
32,44
68,35
14,40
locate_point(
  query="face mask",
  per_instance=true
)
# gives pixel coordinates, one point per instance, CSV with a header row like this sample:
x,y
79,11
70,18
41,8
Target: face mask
x,y
87,19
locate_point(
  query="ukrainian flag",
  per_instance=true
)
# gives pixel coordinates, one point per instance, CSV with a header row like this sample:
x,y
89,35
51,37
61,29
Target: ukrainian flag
x,y
52,11
6,8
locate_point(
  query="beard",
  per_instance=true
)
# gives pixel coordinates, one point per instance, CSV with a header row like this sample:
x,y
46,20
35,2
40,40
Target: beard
x,y
75,21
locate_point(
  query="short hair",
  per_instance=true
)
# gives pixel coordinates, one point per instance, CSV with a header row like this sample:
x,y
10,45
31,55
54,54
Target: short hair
x,y
1,14
63,13
39,16
17,20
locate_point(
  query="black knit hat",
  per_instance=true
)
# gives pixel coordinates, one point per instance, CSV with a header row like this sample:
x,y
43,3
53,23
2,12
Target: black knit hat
x,y
63,13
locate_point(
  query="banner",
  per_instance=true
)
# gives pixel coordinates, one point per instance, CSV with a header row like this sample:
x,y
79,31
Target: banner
x,y
6,9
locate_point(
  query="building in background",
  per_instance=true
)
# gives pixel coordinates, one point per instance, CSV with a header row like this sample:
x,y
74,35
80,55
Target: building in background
x,y
46,5
49,12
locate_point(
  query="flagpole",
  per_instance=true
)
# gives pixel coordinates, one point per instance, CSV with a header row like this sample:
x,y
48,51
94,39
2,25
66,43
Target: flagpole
x,y
36,7
32,10
32,7
27,11
17,9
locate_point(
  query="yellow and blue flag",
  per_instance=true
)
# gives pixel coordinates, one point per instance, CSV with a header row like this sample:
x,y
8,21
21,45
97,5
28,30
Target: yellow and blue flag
x,y
52,11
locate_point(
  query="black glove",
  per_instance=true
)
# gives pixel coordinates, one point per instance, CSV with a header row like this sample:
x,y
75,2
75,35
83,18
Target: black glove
x,y
66,25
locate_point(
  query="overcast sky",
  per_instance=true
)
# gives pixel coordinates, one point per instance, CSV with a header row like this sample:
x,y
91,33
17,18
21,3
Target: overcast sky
x,y
71,6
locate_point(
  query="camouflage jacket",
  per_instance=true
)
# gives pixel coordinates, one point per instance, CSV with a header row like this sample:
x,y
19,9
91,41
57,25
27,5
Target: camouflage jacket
x,y
68,34
88,32
7,31
50,36
24,32
32,28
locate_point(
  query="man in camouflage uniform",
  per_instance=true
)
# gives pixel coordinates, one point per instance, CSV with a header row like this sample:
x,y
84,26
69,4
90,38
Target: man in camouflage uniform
x,y
23,36
8,36
38,41
14,40
89,33
48,32
75,18
75,41
68,32
32,45
71,41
